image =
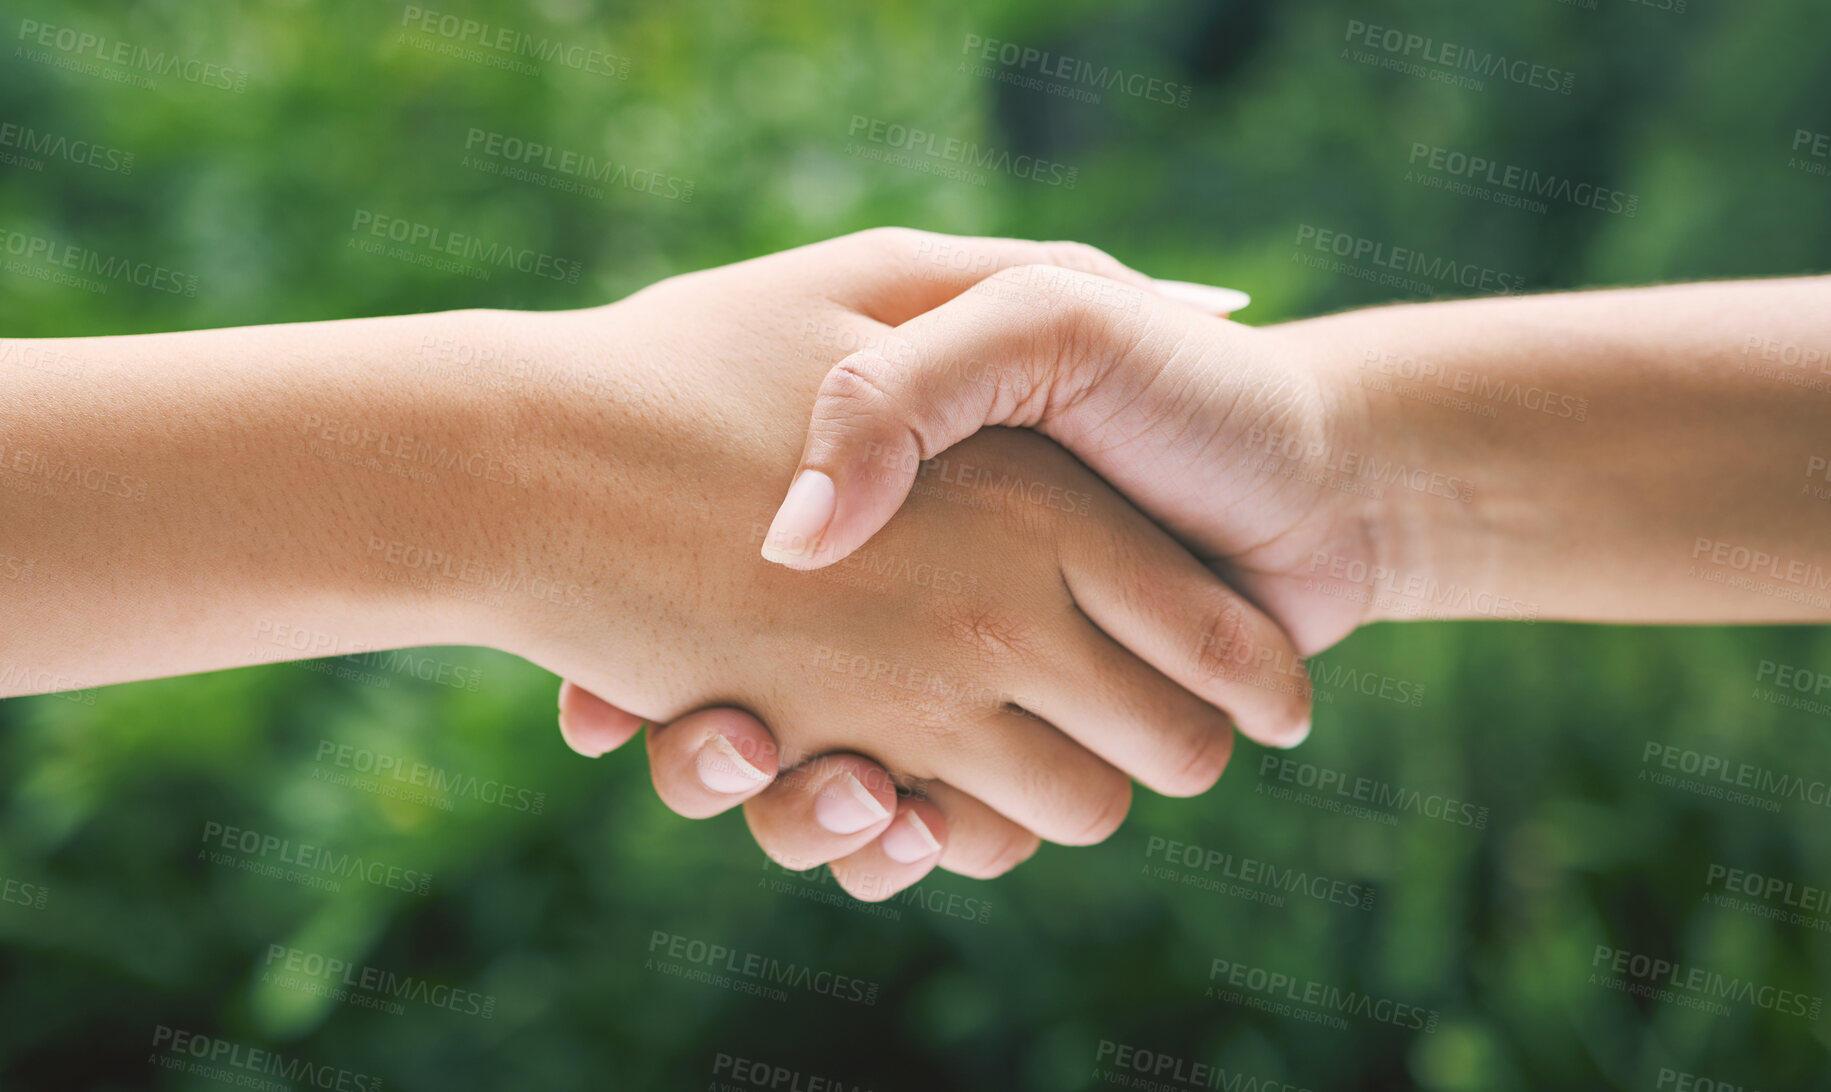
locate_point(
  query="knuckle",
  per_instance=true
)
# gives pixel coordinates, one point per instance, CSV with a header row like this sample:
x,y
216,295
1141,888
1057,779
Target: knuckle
x,y
1015,280
863,884
988,634
865,385
889,239
1109,809
1084,257
1202,766
1227,647
861,377
997,858
790,854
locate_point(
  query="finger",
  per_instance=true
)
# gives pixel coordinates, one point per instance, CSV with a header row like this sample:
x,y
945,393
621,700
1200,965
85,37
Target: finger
x,y
822,810
1029,772
893,274
1133,716
1055,336
1209,299
1141,587
590,725
908,849
980,842
708,761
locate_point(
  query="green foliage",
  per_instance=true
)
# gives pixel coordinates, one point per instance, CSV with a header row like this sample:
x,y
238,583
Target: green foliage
x,y
348,108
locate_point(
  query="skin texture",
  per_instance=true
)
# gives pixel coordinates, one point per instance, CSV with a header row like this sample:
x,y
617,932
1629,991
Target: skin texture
x,y
1636,455
334,487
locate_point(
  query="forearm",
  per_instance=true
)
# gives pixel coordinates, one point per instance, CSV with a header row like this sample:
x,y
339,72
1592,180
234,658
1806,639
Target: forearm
x,y
182,502
1636,455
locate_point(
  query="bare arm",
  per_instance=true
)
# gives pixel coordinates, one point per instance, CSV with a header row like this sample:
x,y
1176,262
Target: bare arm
x,y
1650,454
1641,455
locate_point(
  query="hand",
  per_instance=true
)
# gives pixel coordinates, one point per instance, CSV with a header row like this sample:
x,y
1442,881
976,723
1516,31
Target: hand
x,y
1222,433
699,620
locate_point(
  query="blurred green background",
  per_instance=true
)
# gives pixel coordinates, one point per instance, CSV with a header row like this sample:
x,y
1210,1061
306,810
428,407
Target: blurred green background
x,y
126,951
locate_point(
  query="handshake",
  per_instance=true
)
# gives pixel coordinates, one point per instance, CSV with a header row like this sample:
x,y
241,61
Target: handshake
x,y
921,548
969,639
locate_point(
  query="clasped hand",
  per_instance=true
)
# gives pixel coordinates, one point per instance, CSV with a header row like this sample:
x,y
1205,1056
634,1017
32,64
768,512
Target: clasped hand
x,y
1005,655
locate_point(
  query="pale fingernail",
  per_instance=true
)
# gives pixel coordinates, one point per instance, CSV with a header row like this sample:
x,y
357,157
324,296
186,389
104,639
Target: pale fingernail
x,y
795,533
847,807
908,840
723,770
1204,297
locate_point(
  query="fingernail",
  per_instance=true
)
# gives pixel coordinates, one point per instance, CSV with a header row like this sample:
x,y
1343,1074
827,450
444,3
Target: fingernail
x,y
1204,297
1302,733
846,807
795,533
723,770
908,840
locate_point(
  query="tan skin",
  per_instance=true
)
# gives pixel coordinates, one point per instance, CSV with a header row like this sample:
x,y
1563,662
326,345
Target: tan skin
x,y
1634,455
368,484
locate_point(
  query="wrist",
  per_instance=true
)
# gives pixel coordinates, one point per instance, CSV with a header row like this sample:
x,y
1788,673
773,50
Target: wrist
x,y
443,449
1382,437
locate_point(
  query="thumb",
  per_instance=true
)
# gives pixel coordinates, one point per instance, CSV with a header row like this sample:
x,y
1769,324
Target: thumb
x,y
1054,335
